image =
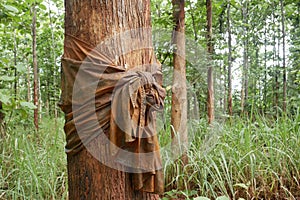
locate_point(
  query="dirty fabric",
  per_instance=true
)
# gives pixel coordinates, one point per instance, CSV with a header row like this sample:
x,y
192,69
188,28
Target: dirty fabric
x,y
122,102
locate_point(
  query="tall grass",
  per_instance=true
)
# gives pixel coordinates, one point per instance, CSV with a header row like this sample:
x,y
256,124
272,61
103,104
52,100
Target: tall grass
x,y
241,159
33,164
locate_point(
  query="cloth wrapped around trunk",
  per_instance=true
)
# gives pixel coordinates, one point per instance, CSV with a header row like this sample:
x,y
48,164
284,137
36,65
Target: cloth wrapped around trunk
x,y
122,102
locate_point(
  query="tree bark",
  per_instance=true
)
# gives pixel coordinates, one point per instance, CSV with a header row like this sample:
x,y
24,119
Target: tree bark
x,y
35,70
93,21
210,80
179,92
283,56
229,86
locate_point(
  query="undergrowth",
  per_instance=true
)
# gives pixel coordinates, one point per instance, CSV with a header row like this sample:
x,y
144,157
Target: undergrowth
x,y
239,159
33,164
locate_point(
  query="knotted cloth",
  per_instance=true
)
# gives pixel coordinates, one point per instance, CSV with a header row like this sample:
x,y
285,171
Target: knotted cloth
x,y
123,103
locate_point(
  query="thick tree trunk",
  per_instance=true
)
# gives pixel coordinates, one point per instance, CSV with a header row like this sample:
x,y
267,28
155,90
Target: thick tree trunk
x,y
35,70
93,21
179,92
210,80
229,86
283,56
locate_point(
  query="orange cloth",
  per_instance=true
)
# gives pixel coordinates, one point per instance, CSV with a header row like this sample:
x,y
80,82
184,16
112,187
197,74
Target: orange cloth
x,y
125,105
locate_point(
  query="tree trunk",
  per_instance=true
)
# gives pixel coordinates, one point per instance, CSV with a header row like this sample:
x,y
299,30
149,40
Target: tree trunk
x,y
1,114
179,92
53,53
35,70
274,70
283,56
244,92
210,80
196,105
229,86
15,67
265,70
93,21
277,73
28,82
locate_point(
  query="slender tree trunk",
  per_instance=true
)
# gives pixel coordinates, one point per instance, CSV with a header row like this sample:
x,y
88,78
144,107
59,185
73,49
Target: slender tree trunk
x,y
274,71
15,67
229,75
35,70
196,105
210,79
265,70
179,92
277,73
283,56
1,114
28,82
257,87
225,89
194,25
94,21
244,92
54,104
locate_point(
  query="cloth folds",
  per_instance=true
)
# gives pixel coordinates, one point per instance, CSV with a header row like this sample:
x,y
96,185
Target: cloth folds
x,y
100,98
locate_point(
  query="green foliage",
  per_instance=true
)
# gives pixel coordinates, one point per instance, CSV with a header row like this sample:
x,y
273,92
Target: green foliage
x,y
33,165
251,157
16,74
243,160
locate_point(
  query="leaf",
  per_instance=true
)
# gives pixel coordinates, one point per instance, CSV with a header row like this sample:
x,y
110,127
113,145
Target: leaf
x,y
21,68
222,198
4,98
10,8
242,185
28,105
6,78
42,7
201,198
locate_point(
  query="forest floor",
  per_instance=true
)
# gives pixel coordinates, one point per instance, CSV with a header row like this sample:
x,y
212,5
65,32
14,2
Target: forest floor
x,y
242,160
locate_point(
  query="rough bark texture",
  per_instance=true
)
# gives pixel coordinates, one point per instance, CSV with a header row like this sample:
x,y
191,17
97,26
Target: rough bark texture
x,y
229,87
210,80
179,93
93,21
35,70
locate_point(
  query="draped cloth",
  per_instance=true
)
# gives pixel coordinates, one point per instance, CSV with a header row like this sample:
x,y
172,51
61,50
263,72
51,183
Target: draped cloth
x,y
100,98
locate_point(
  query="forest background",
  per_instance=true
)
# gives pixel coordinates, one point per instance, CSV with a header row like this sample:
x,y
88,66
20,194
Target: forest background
x,y
253,152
